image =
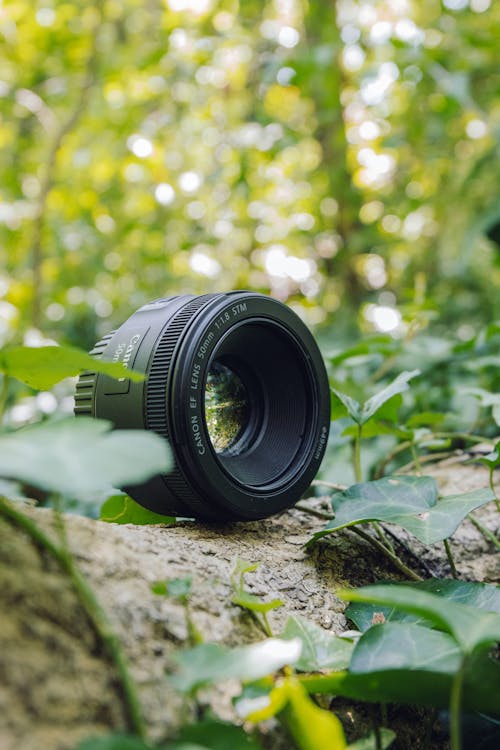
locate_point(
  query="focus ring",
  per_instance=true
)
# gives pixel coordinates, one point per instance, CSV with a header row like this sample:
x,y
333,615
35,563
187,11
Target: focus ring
x,y
156,397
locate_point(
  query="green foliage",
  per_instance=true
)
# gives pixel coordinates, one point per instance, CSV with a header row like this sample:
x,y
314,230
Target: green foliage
x,y
42,367
481,595
408,501
120,508
251,602
210,663
81,458
320,649
361,413
217,735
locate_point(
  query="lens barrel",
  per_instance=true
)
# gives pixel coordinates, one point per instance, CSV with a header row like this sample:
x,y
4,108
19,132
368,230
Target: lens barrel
x,y
236,384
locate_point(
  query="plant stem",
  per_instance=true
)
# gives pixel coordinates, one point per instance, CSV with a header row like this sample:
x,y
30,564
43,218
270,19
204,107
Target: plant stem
x,y
336,487
4,392
492,487
451,561
305,508
396,561
455,703
358,473
416,458
484,531
382,536
96,614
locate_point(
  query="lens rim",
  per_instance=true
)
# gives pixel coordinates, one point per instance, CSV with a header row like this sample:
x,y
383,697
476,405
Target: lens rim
x,y
195,352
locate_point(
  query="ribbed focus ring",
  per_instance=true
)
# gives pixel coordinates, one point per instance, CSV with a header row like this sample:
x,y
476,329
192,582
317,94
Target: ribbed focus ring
x,y
85,388
156,393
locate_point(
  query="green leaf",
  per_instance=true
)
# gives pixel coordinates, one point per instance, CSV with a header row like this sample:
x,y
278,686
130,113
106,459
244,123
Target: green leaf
x,y
352,407
398,385
408,501
210,663
254,603
485,596
312,727
398,645
361,413
113,742
81,458
491,460
486,399
481,690
44,366
320,648
217,735
178,588
387,737
470,627
120,508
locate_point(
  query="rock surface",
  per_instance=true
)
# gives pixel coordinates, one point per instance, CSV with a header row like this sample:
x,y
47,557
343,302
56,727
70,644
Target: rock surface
x,y
56,683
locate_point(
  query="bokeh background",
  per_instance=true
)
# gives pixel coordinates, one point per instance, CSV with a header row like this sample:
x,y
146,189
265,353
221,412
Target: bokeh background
x,y
341,156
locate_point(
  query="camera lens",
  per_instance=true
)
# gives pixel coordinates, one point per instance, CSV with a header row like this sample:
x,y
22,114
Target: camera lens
x,y
236,384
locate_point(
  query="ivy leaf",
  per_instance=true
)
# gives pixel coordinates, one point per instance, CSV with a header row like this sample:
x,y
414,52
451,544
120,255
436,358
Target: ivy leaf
x,y
352,407
44,366
320,648
398,385
120,508
408,501
177,588
398,645
113,742
486,399
491,460
470,627
81,458
485,596
312,727
254,603
209,663
387,737
481,689
217,735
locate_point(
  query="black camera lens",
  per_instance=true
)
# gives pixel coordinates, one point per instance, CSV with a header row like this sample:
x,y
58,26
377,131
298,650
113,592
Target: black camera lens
x,y
235,382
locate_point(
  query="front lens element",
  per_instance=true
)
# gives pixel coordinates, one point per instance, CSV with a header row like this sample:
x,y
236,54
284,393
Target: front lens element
x,y
227,409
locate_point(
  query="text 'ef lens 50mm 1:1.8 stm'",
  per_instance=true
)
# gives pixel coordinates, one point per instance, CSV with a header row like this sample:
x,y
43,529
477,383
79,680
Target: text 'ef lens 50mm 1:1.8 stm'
x,y
236,384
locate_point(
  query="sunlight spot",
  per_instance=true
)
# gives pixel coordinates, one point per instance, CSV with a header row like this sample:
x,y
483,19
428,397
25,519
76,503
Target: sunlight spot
x,y
140,146
164,193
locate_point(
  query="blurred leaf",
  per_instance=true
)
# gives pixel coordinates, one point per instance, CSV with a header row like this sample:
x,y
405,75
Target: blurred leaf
x,y
321,649
255,603
491,460
217,735
311,727
486,399
470,627
210,663
178,588
387,737
405,646
408,501
484,596
113,742
81,458
120,508
414,686
44,366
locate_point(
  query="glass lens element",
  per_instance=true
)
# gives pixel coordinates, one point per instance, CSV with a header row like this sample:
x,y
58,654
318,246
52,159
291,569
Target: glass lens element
x,y
227,409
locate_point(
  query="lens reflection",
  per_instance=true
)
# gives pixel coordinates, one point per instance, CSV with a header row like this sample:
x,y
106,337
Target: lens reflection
x,y
227,409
